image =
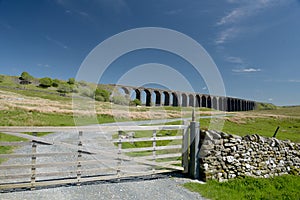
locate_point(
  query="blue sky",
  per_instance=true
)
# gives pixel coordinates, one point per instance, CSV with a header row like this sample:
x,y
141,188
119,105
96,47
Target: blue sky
x,y
255,44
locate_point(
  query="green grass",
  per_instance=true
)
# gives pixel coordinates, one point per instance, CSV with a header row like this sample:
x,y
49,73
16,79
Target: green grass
x,y
289,111
289,127
281,187
19,117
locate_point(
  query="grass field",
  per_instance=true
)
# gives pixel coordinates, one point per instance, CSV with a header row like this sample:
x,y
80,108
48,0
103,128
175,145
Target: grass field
x,y
289,127
282,187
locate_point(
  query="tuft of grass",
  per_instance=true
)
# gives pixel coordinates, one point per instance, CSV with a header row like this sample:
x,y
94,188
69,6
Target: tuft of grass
x,y
280,187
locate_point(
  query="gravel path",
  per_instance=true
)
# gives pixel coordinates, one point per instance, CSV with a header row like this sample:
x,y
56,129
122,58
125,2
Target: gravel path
x,y
163,188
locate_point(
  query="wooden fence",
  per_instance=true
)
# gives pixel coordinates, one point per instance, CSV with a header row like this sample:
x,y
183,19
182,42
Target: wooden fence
x,y
76,162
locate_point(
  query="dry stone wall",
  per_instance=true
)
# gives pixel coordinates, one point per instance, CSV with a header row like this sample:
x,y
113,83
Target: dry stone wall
x,y
223,156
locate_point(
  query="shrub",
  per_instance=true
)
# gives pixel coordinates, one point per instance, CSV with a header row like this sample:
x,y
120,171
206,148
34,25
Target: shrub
x,y
71,81
26,77
135,102
45,82
101,95
55,83
99,98
266,106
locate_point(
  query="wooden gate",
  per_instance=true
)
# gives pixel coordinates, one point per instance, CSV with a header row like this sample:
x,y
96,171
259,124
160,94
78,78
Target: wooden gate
x,y
74,155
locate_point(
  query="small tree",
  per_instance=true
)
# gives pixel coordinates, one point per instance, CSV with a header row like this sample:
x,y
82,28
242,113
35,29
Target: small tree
x,y
45,82
26,78
55,82
71,81
101,95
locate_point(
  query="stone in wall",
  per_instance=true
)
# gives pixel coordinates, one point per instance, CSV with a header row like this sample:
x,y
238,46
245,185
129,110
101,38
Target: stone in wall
x,y
223,156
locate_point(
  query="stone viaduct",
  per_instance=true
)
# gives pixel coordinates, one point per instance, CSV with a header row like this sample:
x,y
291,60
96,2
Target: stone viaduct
x,y
162,97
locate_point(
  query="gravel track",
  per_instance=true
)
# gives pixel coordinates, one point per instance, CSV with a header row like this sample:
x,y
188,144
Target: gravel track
x,y
162,188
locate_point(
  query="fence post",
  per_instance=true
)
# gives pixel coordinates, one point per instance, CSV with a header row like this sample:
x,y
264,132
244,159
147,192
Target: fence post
x,y
154,151
79,158
119,155
194,148
33,162
185,148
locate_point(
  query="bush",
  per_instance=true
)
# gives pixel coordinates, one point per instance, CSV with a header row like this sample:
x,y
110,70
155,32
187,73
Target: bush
x,y
101,95
99,98
71,81
135,102
46,82
55,83
266,106
26,77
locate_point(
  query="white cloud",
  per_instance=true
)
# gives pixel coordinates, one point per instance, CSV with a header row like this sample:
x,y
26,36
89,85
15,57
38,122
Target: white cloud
x,y
245,9
270,99
232,16
204,88
226,35
246,70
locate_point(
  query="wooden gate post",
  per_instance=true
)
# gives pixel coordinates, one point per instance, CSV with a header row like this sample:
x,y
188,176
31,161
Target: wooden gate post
x,y
185,148
33,162
79,158
194,148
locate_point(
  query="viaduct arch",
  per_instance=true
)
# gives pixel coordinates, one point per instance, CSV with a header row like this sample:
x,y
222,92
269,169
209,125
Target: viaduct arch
x,y
161,97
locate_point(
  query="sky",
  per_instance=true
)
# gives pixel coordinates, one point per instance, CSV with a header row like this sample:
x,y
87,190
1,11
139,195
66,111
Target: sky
x,y
254,44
